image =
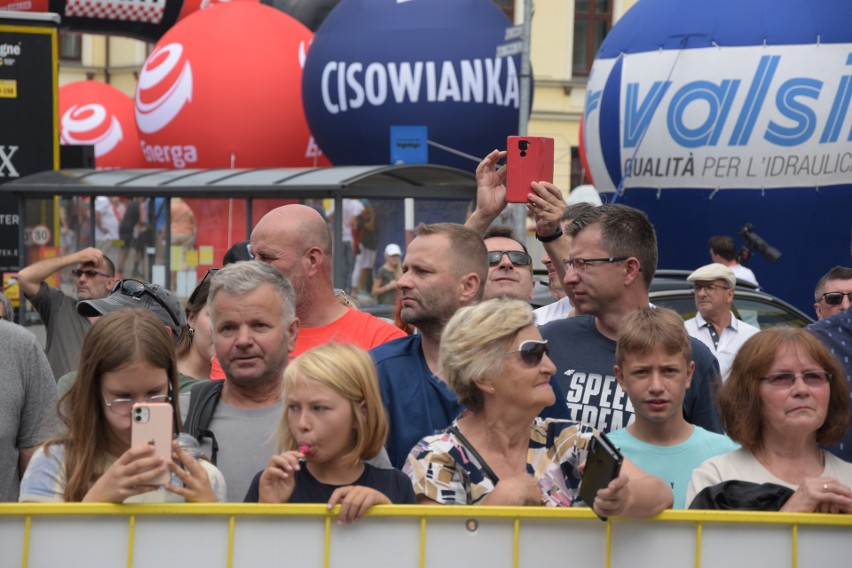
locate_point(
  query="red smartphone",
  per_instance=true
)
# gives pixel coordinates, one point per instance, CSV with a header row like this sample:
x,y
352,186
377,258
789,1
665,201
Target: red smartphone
x,y
152,424
528,159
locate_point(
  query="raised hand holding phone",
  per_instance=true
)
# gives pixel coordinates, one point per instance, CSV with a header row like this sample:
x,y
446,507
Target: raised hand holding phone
x,y
528,159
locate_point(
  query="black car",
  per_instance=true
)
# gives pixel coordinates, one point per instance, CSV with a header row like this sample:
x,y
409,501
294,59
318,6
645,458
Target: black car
x,y
751,305
671,289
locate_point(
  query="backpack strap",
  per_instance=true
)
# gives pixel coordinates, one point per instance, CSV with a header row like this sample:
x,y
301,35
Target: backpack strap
x,y
203,398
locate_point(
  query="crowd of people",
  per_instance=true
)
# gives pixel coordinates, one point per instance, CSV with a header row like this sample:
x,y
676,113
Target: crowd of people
x,y
293,395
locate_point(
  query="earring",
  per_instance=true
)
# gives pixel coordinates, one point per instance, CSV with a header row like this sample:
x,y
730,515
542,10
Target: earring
x,y
191,332
492,390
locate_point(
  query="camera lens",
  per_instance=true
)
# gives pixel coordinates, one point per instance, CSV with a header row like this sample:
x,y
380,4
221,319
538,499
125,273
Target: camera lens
x,y
523,145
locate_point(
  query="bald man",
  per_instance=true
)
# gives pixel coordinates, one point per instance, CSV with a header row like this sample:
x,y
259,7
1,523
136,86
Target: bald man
x,y
296,241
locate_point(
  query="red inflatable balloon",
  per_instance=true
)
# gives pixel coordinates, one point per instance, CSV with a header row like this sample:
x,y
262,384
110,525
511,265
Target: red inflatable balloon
x,y
223,88
91,112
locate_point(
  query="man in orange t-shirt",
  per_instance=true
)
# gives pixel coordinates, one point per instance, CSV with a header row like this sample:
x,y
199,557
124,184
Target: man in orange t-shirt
x,y
295,239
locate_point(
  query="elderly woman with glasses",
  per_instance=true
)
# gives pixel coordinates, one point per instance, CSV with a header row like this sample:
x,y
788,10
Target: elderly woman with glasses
x,y
785,399
127,357
498,452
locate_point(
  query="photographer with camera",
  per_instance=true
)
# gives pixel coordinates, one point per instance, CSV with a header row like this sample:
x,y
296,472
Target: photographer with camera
x,y
724,251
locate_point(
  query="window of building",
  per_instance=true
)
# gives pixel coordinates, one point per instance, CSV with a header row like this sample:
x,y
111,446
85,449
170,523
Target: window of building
x,y
592,21
70,46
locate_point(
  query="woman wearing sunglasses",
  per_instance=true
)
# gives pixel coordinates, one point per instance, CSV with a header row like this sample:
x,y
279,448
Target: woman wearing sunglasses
x,y
127,357
498,452
786,399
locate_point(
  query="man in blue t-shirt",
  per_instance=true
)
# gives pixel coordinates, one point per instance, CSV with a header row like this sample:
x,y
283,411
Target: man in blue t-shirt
x,y
610,264
444,269
655,367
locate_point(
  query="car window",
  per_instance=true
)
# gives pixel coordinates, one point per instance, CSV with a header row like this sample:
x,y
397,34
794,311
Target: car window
x,y
763,314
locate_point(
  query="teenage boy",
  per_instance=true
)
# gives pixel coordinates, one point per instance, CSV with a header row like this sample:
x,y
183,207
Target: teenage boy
x,y
654,367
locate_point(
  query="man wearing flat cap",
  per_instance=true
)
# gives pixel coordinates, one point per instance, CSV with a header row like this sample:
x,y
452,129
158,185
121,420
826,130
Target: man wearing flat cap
x,y
715,324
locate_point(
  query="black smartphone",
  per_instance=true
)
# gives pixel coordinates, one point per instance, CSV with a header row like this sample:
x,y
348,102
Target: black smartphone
x,y
603,464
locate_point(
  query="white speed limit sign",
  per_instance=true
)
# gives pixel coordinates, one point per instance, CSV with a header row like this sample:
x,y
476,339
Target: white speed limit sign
x,y
41,235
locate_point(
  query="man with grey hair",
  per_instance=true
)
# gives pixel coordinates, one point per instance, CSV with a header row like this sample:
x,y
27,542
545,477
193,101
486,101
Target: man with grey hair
x,y
833,292
252,313
715,325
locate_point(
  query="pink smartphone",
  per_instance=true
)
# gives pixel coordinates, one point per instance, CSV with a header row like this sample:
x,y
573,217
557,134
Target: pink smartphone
x,y
528,159
152,424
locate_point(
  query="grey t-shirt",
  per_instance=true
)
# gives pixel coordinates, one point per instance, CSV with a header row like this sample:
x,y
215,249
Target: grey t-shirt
x,y
246,439
27,401
66,329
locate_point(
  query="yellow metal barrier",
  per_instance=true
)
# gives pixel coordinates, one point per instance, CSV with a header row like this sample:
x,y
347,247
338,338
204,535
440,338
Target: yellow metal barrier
x,y
244,535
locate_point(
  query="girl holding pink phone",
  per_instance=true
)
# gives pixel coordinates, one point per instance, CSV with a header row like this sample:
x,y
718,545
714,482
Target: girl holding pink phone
x,y
333,420
128,357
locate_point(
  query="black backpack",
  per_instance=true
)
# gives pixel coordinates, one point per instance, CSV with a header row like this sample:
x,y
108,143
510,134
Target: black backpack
x,y
203,398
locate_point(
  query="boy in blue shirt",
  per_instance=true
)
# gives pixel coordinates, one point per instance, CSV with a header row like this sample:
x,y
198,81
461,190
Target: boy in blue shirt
x,y
654,367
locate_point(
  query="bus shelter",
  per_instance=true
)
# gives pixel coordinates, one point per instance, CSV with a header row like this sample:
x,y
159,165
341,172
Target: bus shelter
x,y
57,209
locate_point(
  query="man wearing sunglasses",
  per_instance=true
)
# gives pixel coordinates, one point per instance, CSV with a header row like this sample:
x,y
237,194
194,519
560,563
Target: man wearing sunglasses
x,y
94,277
834,330
715,325
510,273
833,292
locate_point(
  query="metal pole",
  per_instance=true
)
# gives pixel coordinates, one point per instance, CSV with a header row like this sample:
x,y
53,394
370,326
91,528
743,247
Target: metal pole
x,y
519,213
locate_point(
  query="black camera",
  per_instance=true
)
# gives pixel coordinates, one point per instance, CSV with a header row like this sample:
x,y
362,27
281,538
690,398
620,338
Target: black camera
x,y
523,145
756,242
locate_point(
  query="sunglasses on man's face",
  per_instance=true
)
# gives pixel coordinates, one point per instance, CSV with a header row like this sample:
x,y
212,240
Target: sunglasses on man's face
x,y
532,351
516,257
836,298
89,273
136,289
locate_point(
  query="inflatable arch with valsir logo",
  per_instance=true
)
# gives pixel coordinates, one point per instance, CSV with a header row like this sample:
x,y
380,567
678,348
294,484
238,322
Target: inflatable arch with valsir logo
x,y
711,115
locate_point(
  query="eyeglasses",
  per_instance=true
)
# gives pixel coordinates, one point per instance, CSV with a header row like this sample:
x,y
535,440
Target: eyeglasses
x,y
211,272
582,264
532,351
516,257
708,287
78,272
136,288
124,406
786,379
836,298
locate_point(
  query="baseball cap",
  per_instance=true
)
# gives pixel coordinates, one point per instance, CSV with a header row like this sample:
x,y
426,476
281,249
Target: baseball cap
x,y
393,250
714,271
131,293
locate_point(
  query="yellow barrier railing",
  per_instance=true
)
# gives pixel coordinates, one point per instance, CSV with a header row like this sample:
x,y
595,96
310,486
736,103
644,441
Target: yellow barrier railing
x,y
237,535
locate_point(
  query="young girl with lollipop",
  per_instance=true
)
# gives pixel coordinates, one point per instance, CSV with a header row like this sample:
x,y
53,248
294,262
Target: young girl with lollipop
x,y
333,420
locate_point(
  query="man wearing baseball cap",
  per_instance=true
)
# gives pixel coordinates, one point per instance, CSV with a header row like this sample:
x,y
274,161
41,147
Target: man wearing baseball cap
x,y
131,293
715,324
